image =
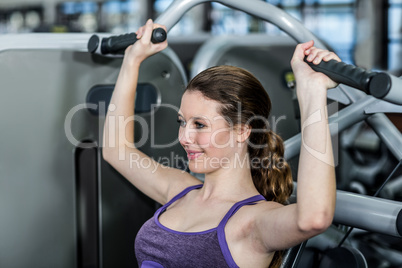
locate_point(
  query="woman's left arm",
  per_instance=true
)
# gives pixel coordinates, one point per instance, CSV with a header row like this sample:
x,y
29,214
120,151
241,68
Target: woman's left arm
x,y
281,227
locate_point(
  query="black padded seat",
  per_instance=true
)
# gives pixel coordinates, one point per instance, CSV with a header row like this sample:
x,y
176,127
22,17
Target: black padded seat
x,y
345,257
292,256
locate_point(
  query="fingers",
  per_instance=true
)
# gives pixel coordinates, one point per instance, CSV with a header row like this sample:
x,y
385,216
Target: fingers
x,y
143,47
331,56
141,31
313,54
316,55
147,30
299,52
307,45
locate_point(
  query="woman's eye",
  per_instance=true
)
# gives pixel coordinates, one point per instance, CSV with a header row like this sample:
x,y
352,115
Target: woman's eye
x,y
199,125
181,123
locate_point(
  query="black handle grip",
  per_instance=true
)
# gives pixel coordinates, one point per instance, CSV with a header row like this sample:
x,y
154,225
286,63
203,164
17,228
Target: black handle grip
x,y
344,73
117,44
378,84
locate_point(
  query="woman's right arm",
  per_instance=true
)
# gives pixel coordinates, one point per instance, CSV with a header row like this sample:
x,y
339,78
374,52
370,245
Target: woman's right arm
x,y
158,182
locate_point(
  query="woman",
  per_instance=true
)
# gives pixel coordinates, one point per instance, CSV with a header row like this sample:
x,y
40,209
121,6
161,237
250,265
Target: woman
x,y
237,217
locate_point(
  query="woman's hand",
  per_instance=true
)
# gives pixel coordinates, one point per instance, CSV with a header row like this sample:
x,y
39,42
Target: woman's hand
x,y
143,47
305,76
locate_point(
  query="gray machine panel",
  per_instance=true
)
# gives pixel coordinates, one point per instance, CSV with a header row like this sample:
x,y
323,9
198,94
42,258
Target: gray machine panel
x,y
43,119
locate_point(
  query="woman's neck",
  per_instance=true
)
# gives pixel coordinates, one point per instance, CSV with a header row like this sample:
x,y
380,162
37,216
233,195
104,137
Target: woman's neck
x,y
228,184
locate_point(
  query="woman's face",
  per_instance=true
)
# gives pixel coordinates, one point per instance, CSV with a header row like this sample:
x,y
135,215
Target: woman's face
x,y
208,139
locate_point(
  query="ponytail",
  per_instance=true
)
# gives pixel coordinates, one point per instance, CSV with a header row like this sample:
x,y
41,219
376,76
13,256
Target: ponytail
x,y
273,178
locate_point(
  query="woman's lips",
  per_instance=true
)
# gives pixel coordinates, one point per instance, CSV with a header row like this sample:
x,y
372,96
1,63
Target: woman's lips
x,y
193,154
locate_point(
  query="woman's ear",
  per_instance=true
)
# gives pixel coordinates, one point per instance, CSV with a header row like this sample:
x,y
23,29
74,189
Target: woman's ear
x,y
243,132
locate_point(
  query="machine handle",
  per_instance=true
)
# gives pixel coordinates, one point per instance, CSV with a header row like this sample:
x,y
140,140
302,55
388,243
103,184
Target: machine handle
x,y
117,44
378,84
344,73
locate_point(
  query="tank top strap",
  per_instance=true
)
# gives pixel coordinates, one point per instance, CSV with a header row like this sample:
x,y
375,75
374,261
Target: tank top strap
x,y
249,201
221,227
180,195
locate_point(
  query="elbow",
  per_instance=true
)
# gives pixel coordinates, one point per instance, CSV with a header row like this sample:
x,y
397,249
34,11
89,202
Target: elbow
x,y
316,223
114,154
107,154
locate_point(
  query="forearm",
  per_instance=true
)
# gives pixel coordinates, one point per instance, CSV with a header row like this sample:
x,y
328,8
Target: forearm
x,y
119,123
316,185
316,188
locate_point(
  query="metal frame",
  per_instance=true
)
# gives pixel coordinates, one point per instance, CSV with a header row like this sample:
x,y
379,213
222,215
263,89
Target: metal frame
x,y
70,41
211,50
260,9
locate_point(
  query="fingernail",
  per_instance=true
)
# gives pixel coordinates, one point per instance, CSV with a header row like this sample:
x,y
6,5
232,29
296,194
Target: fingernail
x,y
149,21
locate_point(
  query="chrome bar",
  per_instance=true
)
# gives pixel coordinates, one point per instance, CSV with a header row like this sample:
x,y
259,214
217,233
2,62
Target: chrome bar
x,y
366,212
257,8
338,122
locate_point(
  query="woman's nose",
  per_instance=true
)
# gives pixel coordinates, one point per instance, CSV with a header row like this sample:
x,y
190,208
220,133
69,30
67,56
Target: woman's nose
x,y
186,135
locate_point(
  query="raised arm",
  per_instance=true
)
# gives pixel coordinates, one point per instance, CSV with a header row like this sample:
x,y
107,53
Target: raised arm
x,y
159,183
316,186
280,226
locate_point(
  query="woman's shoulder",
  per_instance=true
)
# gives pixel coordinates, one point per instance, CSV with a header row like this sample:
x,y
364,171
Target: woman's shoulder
x,y
249,215
260,207
177,187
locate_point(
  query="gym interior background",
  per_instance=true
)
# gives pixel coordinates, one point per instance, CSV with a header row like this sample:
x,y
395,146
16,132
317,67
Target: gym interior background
x,y
364,32
41,217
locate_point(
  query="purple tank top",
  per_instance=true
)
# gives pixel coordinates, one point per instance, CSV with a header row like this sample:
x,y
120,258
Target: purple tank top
x,y
160,247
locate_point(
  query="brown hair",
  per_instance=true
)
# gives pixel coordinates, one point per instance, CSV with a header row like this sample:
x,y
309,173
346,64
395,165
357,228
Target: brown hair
x,y
245,101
